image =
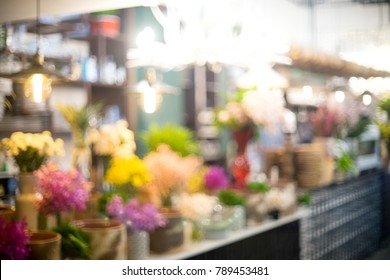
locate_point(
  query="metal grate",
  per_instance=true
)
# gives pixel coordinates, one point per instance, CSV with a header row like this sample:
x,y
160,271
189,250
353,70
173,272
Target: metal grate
x,y
344,220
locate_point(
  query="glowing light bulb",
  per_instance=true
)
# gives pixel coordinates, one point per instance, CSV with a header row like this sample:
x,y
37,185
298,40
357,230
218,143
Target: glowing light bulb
x,y
339,96
150,100
145,37
367,99
37,88
307,92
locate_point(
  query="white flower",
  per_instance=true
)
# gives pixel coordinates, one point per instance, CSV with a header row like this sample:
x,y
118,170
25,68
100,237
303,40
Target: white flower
x,y
195,206
264,108
114,140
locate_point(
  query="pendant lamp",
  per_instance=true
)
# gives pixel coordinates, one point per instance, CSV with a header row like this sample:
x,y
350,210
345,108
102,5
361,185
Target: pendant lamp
x,y
150,92
37,79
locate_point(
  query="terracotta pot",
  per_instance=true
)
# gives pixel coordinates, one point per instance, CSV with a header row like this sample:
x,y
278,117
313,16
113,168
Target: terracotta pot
x,y
169,237
44,245
107,238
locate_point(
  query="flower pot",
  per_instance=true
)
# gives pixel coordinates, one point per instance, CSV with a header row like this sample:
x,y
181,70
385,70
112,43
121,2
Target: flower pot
x,y
44,245
25,200
107,238
169,237
137,245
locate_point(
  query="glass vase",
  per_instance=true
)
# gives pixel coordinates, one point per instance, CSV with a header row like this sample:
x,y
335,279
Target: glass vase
x,y
240,166
82,159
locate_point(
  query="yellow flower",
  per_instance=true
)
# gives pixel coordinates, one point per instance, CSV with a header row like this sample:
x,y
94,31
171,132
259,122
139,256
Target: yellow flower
x,y
196,181
131,170
30,150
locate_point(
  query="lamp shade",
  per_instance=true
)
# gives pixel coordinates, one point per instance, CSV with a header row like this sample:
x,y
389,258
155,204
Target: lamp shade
x,y
37,79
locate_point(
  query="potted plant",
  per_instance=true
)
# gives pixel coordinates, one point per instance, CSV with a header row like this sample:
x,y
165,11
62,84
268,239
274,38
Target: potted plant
x,y
235,202
140,219
170,175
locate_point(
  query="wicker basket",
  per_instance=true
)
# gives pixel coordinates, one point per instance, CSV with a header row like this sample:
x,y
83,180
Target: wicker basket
x,y
313,167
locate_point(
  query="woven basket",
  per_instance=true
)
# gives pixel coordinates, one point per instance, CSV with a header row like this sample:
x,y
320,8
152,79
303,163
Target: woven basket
x,y
313,167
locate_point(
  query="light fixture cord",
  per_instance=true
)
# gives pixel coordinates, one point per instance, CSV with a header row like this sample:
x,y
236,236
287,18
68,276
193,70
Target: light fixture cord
x,y
38,26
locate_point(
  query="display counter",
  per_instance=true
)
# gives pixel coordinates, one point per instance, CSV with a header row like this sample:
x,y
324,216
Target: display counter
x,y
344,219
272,239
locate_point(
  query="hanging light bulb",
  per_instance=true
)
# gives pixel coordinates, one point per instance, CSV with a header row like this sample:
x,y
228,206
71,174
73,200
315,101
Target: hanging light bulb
x,y
151,92
36,78
37,88
150,100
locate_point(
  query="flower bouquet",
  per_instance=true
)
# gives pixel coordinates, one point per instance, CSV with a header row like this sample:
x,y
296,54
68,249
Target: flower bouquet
x,y
170,173
80,120
128,176
31,150
137,216
113,140
61,192
13,240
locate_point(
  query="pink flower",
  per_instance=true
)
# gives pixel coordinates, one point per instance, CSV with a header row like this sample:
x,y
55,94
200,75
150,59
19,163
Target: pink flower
x,y
61,191
216,178
13,240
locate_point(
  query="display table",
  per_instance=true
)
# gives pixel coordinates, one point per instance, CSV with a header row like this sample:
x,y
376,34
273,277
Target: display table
x,y
272,239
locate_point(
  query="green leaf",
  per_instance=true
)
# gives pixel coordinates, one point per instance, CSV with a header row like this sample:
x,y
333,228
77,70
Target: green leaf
x,y
258,187
180,139
74,242
231,198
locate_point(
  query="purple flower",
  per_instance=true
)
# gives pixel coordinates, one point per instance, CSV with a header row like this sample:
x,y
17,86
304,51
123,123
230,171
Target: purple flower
x,y
138,217
216,178
61,191
116,206
13,240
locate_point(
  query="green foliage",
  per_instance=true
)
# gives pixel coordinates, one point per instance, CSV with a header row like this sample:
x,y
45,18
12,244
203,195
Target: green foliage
x,y
230,198
80,119
180,139
384,105
304,199
258,187
345,163
359,128
74,242
384,129
29,160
